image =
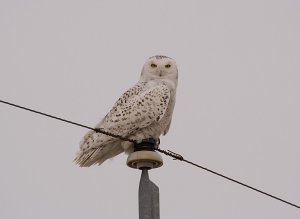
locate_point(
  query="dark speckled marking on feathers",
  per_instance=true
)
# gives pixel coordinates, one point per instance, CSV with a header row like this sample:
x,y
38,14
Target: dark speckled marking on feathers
x,y
160,57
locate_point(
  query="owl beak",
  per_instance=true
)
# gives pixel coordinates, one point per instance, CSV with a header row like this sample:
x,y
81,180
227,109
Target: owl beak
x,y
160,73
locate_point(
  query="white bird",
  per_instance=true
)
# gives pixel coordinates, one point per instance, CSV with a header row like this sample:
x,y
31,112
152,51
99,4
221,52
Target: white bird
x,y
143,112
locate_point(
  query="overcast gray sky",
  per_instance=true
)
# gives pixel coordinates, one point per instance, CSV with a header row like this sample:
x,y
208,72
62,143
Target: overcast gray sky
x,y
237,109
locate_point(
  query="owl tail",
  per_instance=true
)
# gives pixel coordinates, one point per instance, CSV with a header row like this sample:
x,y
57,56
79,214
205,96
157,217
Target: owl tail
x,y
98,155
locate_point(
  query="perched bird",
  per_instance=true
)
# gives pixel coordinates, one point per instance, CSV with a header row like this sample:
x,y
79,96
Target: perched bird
x,y
142,112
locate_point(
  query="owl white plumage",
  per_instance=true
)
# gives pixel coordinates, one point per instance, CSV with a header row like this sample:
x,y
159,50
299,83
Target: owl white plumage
x,y
143,112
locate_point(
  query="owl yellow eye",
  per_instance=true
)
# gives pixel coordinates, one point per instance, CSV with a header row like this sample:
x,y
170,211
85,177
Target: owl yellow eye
x,y
168,66
153,65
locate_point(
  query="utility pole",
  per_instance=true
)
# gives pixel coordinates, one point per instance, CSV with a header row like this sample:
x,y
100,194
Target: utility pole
x,y
145,158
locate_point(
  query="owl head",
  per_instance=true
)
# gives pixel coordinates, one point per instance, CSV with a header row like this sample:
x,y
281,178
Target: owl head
x,y
160,68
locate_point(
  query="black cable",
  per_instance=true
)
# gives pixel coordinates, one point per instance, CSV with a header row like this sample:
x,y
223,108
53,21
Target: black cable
x,y
168,153
179,157
242,184
68,121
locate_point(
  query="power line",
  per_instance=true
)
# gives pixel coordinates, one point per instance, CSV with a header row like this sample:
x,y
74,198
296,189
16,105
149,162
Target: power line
x,y
168,152
179,157
68,121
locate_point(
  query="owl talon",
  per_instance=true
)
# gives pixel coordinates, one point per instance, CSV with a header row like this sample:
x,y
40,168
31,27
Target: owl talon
x,y
157,143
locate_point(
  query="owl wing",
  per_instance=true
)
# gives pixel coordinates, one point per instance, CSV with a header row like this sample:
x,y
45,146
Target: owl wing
x,y
135,109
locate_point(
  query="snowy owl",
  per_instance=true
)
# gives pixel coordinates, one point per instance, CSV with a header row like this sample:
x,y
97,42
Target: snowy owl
x,y
142,112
